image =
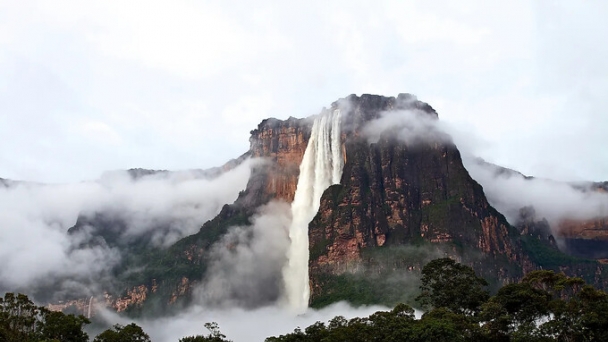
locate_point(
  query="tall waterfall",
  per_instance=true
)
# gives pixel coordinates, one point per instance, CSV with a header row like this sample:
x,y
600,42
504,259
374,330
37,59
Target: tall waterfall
x,y
321,167
90,304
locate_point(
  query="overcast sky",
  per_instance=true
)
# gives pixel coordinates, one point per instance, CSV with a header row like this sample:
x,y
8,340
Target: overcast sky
x,y
92,86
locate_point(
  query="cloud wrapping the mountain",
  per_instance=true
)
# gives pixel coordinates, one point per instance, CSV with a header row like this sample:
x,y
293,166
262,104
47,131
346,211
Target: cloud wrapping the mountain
x,y
507,192
246,264
553,200
36,249
238,324
410,126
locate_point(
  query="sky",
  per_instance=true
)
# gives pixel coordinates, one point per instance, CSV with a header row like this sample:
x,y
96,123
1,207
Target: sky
x,y
87,87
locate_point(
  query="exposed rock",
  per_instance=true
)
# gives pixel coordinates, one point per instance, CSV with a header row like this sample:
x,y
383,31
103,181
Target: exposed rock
x,y
585,238
83,306
182,289
399,204
584,229
395,194
134,297
283,143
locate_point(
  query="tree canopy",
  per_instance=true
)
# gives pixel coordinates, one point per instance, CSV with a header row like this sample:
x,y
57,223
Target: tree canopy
x,y
456,287
214,335
22,321
544,306
128,333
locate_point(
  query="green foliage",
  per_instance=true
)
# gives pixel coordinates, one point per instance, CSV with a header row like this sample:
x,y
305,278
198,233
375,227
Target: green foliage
x,y
365,289
439,213
127,333
450,285
65,328
214,335
548,256
169,266
545,306
319,248
380,326
22,320
391,276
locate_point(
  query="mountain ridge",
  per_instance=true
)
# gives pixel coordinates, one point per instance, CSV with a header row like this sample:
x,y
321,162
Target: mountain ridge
x,y
401,201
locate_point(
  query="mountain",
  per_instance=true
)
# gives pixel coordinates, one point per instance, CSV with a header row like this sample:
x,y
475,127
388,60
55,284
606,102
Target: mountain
x,y
399,197
582,232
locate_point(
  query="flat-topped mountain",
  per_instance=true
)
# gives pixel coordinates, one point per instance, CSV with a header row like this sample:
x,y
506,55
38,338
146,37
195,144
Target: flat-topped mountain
x,y
381,191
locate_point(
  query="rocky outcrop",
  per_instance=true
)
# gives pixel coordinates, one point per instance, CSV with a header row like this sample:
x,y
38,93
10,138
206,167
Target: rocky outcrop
x,y
395,194
585,238
83,306
183,288
282,144
584,229
401,202
135,296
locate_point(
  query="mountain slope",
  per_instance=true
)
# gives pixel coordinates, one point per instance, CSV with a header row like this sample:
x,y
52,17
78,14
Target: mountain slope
x,y
404,198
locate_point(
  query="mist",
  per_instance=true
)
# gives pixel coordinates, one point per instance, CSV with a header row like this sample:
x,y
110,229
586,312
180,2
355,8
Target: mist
x,y
238,324
245,268
37,250
507,190
243,289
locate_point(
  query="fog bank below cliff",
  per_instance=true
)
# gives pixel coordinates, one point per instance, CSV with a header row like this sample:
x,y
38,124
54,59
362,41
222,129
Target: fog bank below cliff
x,y
37,250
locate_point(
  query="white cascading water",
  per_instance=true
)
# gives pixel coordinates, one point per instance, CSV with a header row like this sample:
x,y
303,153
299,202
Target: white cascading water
x,y
90,304
321,167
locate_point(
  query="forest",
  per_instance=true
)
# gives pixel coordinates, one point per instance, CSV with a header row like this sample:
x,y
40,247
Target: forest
x,y
543,306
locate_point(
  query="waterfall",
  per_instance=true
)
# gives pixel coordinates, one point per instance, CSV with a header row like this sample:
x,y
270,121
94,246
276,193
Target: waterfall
x,y
90,304
321,167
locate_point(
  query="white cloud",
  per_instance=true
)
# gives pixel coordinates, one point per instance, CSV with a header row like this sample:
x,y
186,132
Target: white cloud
x,y
508,193
551,200
241,325
245,267
100,132
34,244
186,79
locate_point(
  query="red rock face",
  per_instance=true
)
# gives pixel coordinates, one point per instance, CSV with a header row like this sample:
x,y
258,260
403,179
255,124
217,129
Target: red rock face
x,y
393,194
585,238
584,229
81,306
184,287
283,144
134,296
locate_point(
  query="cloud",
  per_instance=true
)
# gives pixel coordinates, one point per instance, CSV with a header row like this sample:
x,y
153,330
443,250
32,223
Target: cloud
x,y
36,249
410,126
100,132
508,192
245,267
171,80
239,324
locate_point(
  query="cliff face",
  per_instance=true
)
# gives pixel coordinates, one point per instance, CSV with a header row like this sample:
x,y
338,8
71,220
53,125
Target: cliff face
x,y
392,194
585,238
396,194
586,229
400,204
282,144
